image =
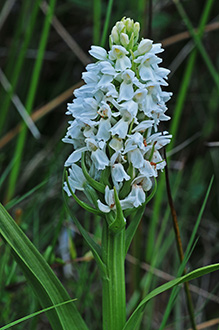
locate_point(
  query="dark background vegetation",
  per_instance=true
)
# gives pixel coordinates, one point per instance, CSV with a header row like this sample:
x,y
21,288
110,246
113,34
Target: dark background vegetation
x,y
40,211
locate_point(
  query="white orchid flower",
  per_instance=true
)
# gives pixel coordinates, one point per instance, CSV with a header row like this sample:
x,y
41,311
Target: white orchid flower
x,y
146,70
98,52
116,117
76,179
126,90
118,54
144,46
136,197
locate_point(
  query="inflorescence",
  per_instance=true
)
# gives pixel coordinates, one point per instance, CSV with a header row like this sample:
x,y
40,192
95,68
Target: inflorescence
x,y
116,115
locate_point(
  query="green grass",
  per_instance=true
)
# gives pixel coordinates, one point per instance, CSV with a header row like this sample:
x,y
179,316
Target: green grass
x,y
40,66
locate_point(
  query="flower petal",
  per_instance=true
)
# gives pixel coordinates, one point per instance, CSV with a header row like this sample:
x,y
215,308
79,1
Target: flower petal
x,y
98,52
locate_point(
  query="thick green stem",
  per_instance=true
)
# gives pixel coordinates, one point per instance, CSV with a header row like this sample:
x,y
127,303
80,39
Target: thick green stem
x,y
114,297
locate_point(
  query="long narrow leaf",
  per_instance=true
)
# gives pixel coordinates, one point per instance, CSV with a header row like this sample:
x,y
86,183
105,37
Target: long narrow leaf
x,y
43,281
133,320
30,99
106,24
25,318
95,248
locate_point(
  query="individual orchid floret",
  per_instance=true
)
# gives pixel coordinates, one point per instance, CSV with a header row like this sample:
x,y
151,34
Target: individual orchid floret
x,y
116,114
76,179
136,196
98,52
146,71
144,46
110,205
98,155
118,54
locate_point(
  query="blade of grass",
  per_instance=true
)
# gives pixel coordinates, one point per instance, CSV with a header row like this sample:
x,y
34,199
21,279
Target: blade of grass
x,y
198,42
16,61
6,172
16,201
42,280
130,324
30,100
142,10
19,106
25,318
96,21
173,129
179,246
6,11
106,24
186,255
67,38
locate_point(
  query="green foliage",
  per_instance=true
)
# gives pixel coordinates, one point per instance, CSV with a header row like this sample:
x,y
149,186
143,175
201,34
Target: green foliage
x,y
41,278
35,198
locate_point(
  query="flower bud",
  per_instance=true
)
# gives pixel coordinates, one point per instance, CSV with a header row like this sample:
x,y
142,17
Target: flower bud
x,y
115,35
124,39
129,24
125,33
120,26
136,30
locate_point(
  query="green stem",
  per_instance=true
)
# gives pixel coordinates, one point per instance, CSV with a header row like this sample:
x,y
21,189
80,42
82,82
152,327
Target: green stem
x,y
114,297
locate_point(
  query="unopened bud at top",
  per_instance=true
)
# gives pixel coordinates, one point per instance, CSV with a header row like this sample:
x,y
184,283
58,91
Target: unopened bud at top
x,y
125,33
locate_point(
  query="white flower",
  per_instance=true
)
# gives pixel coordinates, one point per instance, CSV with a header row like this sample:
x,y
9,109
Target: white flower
x,y
146,70
98,52
144,46
133,147
136,197
76,179
98,155
147,170
118,173
119,53
110,201
145,124
103,132
126,203
84,109
126,90
116,144
116,117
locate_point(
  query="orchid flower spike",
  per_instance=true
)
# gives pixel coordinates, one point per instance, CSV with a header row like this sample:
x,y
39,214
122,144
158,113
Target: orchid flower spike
x,y
115,119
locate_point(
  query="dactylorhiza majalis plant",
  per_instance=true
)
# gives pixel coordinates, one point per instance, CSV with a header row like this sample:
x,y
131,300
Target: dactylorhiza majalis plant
x,y
116,140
